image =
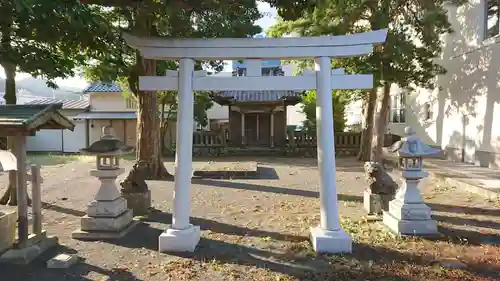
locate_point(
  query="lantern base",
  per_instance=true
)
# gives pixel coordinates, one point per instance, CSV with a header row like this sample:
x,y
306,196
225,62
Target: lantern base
x,y
330,241
426,227
103,235
183,240
96,228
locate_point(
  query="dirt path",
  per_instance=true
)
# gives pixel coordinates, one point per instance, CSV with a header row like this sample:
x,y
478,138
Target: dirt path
x,y
257,230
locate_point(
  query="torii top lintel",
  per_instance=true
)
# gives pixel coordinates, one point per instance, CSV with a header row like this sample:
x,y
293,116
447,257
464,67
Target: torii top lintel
x,y
259,48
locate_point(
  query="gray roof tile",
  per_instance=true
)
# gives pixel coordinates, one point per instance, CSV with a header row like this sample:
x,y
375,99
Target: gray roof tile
x,y
101,87
250,96
66,104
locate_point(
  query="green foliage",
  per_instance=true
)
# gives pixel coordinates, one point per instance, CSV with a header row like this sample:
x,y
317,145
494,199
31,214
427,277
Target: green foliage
x,y
413,42
202,103
218,19
339,104
48,39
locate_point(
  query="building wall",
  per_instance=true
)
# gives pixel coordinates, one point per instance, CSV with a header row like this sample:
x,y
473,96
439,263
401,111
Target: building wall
x,y
466,111
108,102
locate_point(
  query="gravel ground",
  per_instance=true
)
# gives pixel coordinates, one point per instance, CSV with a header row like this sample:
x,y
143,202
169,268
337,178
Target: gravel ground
x,y
256,229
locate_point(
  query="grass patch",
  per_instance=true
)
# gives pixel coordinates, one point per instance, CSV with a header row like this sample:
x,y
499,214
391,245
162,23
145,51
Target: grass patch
x,y
50,159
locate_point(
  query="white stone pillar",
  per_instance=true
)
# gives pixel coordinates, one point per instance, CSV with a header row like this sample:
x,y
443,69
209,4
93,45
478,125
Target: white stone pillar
x,y
272,128
329,237
242,128
182,236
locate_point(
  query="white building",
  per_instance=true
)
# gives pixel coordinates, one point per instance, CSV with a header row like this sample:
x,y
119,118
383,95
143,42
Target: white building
x,y
463,117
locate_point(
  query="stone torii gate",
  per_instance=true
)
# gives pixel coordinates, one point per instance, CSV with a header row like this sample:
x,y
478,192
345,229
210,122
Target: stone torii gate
x,y
328,236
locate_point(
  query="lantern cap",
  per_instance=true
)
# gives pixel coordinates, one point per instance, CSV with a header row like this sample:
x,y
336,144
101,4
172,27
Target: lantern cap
x,y
411,146
108,145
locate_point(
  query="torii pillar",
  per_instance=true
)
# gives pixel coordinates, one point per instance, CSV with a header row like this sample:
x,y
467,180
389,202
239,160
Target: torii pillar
x,y
328,237
183,236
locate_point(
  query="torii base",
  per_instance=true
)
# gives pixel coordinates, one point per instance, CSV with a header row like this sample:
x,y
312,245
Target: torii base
x,y
328,241
183,240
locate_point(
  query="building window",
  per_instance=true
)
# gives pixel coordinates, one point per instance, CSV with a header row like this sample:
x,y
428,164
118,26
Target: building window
x,y
428,111
267,72
240,72
492,18
398,108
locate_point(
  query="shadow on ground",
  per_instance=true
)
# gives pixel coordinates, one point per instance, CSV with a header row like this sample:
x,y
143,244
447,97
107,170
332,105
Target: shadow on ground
x,y
271,189
366,261
262,173
37,269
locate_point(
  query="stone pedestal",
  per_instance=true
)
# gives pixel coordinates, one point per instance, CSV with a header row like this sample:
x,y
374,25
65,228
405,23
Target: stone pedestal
x,y
179,240
32,248
139,202
408,214
8,223
374,203
107,215
330,241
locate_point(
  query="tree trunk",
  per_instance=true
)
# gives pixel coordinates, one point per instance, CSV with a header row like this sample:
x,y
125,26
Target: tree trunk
x,y
369,104
10,196
380,123
149,163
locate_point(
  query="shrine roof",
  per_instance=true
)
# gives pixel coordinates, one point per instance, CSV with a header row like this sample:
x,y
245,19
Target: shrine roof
x,y
102,87
256,96
32,117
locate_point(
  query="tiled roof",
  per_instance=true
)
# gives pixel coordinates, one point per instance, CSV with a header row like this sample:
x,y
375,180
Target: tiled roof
x,y
106,115
66,104
26,117
101,87
250,96
110,115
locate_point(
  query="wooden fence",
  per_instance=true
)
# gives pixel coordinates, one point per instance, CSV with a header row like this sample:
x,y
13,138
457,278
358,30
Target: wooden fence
x,y
213,143
346,143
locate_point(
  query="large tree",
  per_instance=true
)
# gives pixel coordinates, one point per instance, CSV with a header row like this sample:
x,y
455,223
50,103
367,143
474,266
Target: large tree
x,y
407,59
45,39
163,18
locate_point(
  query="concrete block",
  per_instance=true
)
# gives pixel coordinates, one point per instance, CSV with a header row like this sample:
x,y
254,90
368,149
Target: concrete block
x,y
107,223
103,235
107,208
8,223
139,202
24,255
184,240
410,227
62,261
327,241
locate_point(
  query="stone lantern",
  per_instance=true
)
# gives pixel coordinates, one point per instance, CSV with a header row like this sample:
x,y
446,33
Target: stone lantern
x,y
408,214
107,215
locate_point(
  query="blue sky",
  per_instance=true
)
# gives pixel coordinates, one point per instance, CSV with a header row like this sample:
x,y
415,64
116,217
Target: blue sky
x,y
77,82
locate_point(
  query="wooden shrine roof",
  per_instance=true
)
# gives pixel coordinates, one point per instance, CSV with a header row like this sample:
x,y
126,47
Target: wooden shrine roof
x,y
28,118
263,97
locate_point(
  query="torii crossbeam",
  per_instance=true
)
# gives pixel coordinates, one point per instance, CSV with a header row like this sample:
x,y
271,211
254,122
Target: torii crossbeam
x,y
328,236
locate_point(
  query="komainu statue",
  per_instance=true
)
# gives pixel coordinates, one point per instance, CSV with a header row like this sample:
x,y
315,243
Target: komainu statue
x,y
380,190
